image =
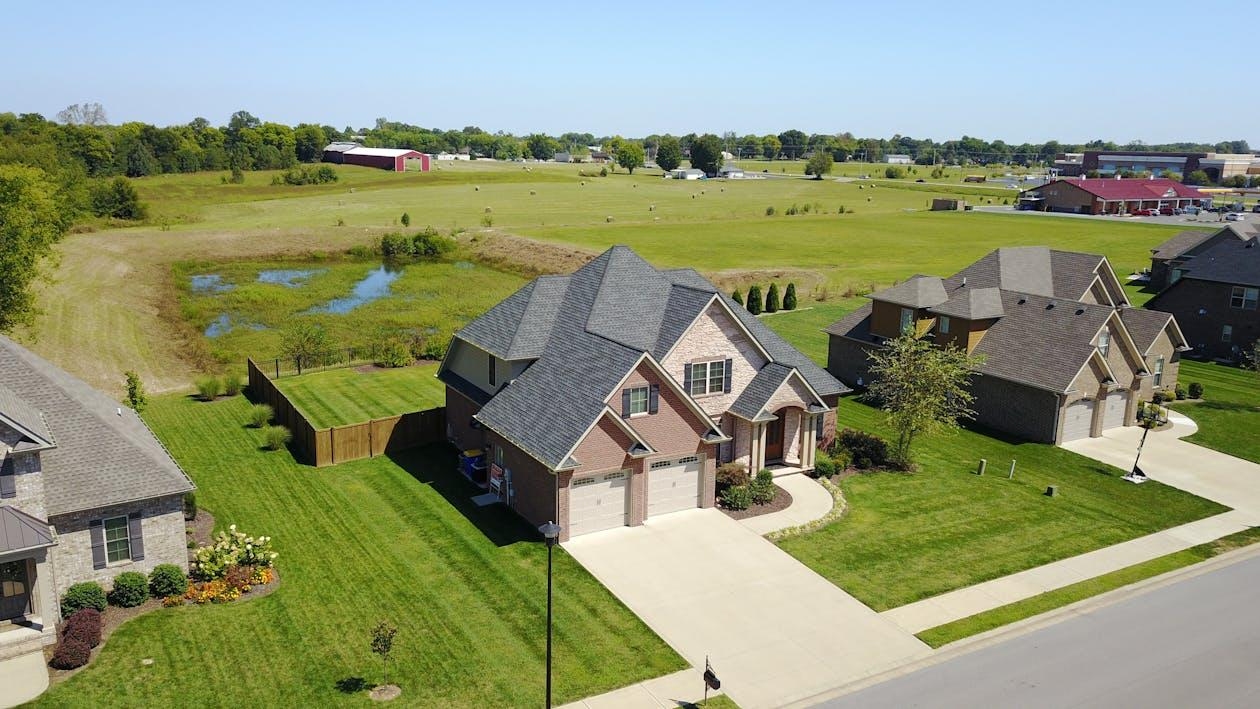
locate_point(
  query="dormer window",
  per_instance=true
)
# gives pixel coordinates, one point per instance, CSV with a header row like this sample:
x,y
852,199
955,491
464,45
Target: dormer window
x,y
1104,342
907,320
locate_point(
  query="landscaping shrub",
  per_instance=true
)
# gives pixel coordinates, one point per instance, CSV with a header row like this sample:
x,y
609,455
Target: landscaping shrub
x,y
231,548
71,654
309,175
406,219
731,475
231,385
86,594
167,580
274,437
738,297
755,302
1196,390
867,449
824,466
789,297
841,457
435,348
260,415
208,388
1158,397
130,589
738,497
894,173
1179,392
393,353
762,489
772,298
770,211
84,626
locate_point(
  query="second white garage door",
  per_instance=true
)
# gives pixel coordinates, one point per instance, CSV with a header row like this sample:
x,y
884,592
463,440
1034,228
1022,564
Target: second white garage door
x,y
1113,415
674,485
598,502
1077,418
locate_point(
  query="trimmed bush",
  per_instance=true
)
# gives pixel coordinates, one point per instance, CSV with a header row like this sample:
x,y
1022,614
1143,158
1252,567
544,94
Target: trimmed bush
x,y
208,388
731,475
762,489
130,589
867,449
84,626
772,298
824,466
274,437
738,297
85,594
755,301
260,415
167,580
738,497
1196,390
789,297
1179,392
71,654
842,458
231,385
769,211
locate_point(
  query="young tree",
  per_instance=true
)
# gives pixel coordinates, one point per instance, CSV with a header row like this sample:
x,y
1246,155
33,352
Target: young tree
x,y
630,155
789,297
32,219
118,199
755,303
923,389
819,165
135,392
382,644
737,297
669,153
706,153
772,298
306,344
1198,177
406,219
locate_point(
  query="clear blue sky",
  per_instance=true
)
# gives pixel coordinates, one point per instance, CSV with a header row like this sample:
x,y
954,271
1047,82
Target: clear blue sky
x,y
1068,70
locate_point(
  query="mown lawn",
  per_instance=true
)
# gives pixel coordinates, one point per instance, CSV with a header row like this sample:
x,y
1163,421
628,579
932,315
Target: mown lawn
x,y
338,397
389,538
906,537
1229,414
804,327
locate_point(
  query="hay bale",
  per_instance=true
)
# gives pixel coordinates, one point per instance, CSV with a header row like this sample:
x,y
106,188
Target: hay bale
x,y
608,219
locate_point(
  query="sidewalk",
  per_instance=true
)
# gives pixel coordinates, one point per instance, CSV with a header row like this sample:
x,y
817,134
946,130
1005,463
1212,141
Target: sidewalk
x,y
668,691
22,678
810,501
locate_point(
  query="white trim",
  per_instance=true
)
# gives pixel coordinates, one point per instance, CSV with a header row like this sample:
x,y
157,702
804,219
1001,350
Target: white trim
x,y
1133,348
621,423
43,441
1098,280
738,323
1116,280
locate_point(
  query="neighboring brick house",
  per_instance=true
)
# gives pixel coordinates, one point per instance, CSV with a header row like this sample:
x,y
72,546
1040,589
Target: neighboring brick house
x,y
86,493
1170,259
1215,298
1065,356
609,396
1111,196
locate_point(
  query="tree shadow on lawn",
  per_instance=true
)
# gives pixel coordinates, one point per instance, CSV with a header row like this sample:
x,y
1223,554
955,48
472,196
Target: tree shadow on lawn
x,y
435,465
352,685
1217,405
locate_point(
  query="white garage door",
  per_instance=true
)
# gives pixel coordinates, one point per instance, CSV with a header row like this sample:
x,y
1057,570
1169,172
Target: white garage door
x,y
1113,415
1077,419
674,485
598,502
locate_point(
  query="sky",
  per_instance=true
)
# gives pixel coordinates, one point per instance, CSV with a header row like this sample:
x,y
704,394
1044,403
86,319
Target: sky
x,y
1071,71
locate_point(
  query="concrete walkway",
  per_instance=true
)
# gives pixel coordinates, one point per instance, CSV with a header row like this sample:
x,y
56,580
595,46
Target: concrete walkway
x,y
669,692
810,501
774,630
1216,476
22,679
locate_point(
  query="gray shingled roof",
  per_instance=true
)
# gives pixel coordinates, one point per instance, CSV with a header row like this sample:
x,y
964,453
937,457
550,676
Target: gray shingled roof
x,y
608,315
1033,269
972,304
1039,345
25,416
752,401
1231,261
1144,325
916,292
19,531
103,457
1179,244
1073,272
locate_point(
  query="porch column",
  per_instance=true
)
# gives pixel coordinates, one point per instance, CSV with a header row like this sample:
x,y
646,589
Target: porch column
x,y
811,442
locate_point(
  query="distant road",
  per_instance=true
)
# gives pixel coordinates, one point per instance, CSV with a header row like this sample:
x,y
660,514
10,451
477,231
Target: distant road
x,y
1195,643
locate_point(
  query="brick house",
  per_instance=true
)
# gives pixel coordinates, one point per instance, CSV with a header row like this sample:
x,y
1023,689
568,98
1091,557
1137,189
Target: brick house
x,y
609,396
1215,295
86,493
1111,196
1065,355
1169,259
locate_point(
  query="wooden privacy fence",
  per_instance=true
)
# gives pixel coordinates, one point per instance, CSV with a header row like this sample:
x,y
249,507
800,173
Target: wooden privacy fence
x,y
338,444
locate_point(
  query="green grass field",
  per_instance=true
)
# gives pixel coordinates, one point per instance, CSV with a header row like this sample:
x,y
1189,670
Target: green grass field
x,y
1229,414
389,538
803,326
338,397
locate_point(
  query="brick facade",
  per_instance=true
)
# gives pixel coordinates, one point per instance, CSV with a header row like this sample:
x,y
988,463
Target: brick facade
x,y
715,335
1203,309
1024,411
459,421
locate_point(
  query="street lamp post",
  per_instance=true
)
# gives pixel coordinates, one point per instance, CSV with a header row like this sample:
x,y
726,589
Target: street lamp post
x,y
550,532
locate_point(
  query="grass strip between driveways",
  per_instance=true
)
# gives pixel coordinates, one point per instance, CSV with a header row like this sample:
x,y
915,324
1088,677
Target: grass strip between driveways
x,y
1050,600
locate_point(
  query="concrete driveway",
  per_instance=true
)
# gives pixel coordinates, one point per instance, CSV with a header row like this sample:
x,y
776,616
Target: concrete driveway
x,y
1207,473
773,630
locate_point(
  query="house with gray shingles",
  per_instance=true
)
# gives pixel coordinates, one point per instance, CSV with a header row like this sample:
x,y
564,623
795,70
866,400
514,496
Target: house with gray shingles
x,y
1065,356
86,493
1170,259
608,396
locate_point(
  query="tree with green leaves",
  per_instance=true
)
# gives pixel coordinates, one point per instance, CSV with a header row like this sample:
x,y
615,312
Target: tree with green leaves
x,y
33,217
1197,177
306,344
406,219
770,147
793,143
135,392
630,155
789,297
118,199
706,154
540,146
309,141
923,389
755,303
383,644
737,297
772,298
819,164
668,153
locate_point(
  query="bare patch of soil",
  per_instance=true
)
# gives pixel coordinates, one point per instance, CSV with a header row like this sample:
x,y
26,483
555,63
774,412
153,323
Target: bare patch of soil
x,y
385,692
806,280
528,257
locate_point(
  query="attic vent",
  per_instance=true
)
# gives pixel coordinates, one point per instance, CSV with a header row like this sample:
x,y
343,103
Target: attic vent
x,y
964,281
1023,300
1050,306
1080,311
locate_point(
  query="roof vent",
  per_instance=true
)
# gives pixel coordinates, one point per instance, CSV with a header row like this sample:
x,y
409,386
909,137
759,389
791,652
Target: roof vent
x,y
1080,311
120,411
1022,301
965,281
1049,306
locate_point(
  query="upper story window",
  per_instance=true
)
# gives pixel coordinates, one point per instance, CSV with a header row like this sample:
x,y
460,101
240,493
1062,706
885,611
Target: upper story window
x,y
1244,298
907,320
708,377
117,540
1159,371
1104,342
1176,276
942,325
638,401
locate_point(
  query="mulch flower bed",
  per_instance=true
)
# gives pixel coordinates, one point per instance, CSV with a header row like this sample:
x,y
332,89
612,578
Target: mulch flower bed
x,y
782,500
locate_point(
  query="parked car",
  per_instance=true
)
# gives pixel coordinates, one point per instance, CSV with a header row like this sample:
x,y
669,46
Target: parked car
x,y
1192,210
1233,217
1256,209
1168,211
1147,212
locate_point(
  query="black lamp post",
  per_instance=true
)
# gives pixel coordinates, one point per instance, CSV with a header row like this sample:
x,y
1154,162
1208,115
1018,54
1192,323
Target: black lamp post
x,y
550,532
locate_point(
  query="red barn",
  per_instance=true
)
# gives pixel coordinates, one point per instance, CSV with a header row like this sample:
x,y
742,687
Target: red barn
x,y
385,158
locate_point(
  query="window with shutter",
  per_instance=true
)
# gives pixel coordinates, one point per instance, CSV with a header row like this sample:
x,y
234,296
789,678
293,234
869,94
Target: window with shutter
x,y
117,540
654,399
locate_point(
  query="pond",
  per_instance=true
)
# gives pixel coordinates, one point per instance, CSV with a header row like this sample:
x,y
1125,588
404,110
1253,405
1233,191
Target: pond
x,y
225,323
374,286
288,277
209,283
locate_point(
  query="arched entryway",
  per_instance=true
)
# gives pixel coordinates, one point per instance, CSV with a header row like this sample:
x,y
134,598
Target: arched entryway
x,y
774,439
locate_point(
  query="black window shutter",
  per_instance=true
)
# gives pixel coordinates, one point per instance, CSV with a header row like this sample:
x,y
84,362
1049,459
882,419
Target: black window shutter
x,y
726,371
136,536
687,378
8,478
625,403
818,427
654,397
97,531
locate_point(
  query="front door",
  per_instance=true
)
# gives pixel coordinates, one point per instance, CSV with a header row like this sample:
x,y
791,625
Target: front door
x,y
15,590
774,439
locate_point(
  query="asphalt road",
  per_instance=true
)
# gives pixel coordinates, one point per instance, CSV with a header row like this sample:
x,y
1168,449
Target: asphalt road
x,y
1195,643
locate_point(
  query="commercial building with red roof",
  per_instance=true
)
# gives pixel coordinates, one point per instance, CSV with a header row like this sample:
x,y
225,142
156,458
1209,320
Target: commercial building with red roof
x,y
1112,196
